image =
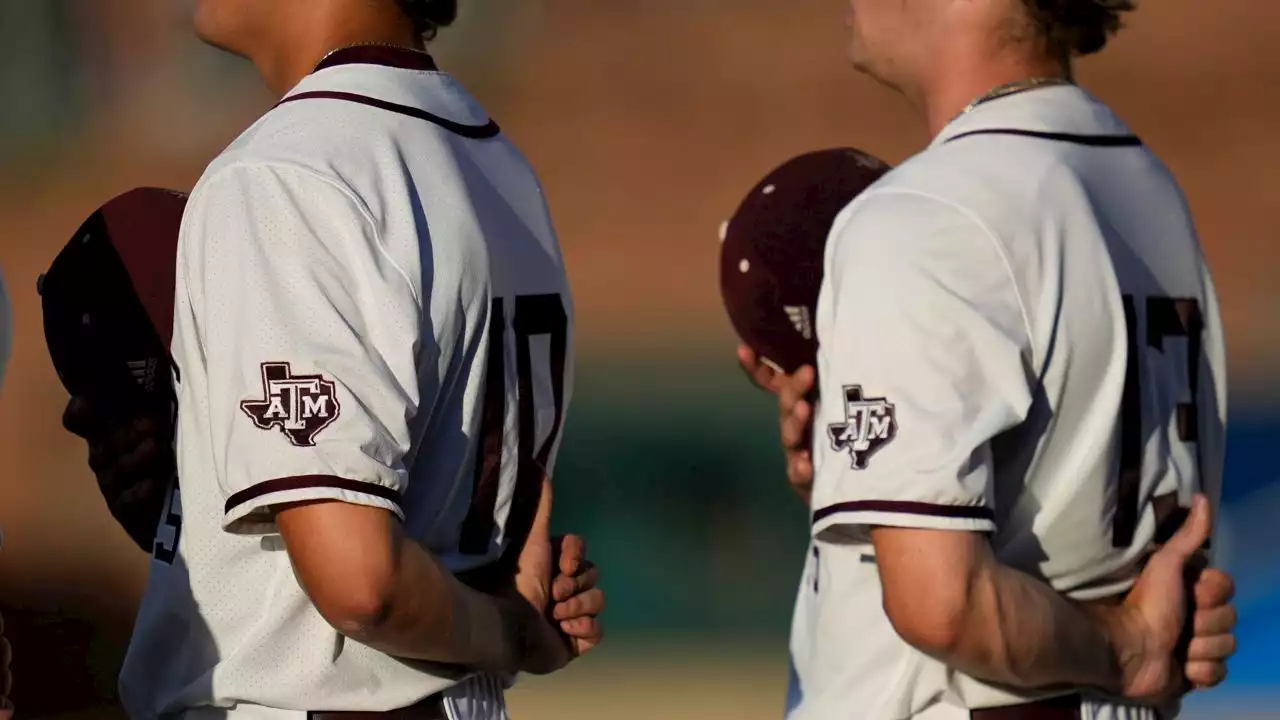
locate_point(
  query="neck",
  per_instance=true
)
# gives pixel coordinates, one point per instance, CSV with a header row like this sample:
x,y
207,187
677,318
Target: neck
x,y
330,26
955,85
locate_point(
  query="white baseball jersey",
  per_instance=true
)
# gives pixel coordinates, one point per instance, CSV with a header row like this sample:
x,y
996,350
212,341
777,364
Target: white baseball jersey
x,y
372,308
1018,337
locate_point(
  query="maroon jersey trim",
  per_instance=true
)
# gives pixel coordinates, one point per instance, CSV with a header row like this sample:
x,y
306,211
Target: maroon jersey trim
x,y
474,132
310,482
906,508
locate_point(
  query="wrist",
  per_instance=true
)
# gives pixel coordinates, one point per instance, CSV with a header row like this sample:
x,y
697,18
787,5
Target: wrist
x,y
484,625
513,626
1124,643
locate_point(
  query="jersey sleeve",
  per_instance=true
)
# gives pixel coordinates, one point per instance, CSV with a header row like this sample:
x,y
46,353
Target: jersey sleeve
x,y
308,332
923,360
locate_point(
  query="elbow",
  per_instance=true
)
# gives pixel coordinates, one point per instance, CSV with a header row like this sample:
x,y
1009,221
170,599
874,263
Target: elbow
x,y
358,610
933,588
346,559
934,626
934,613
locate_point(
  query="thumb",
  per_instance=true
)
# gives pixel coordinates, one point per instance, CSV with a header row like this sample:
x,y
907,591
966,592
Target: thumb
x,y
573,549
1194,532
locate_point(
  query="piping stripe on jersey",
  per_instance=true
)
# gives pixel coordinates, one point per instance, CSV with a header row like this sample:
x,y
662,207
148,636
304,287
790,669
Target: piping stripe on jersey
x,y
906,508
307,482
474,132
1094,140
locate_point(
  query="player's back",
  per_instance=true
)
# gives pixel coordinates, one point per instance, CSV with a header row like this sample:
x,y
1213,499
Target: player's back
x,y
1126,343
403,293
1106,315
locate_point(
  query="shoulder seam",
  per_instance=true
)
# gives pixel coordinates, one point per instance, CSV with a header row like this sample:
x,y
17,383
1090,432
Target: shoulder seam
x,y
345,191
986,230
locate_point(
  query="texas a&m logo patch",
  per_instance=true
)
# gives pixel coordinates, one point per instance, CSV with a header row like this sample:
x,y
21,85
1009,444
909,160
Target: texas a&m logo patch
x,y
300,405
869,425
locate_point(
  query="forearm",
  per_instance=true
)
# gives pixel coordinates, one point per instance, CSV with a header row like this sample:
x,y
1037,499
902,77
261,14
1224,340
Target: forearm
x,y
1020,632
430,615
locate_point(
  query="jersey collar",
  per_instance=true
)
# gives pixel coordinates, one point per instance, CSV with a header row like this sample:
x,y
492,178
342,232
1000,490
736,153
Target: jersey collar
x,y
398,80
1059,110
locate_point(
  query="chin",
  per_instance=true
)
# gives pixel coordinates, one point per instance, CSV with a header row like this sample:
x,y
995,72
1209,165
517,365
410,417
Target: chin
x,y
212,28
860,61
865,62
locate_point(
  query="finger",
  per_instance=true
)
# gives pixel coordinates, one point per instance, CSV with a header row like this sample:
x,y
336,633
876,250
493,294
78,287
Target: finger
x,y
141,456
1213,588
795,425
582,647
802,379
787,399
77,418
136,494
144,426
1192,535
101,457
590,602
125,437
573,551
1211,648
582,628
1215,621
1205,674
759,373
798,383
799,470
564,587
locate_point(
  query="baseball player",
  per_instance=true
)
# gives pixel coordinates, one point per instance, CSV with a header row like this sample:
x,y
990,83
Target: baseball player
x,y
372,339
1018,433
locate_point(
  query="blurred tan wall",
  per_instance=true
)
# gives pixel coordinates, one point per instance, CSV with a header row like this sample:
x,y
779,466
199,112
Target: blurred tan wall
x,y
650,120
647,121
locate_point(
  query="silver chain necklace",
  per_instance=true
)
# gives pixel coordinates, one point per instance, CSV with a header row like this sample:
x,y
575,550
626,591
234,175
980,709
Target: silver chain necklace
x,y
374,44
1011,88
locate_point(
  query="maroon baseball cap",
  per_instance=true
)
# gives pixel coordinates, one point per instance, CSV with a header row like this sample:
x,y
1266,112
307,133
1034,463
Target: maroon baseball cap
x,y
772,250
108,304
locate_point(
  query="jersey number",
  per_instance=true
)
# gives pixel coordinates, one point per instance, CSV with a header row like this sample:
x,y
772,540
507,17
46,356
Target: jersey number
x,y
172,519
534,315
1166,318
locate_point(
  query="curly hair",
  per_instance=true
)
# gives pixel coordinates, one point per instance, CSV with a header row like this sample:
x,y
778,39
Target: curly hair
x,y
1077,27
429,16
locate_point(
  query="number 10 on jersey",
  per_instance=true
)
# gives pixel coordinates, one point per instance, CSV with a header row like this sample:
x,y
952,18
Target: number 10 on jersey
x,y
535,315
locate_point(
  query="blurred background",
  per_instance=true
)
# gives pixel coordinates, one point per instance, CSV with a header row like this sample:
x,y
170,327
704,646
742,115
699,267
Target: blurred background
x,y
647,122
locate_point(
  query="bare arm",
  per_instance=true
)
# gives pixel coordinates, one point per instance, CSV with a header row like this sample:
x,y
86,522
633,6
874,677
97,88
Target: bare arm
x,y
381,589
948,596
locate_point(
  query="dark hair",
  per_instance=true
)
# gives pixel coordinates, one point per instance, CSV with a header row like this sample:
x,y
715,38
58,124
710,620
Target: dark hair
x,y
1077,27
429,16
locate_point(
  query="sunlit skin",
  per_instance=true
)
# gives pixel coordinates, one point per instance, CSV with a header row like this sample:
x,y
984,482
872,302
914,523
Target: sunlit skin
x,y
942,54
285,39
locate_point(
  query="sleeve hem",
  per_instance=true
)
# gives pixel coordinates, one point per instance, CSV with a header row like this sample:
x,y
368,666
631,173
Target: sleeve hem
x,y
248,512
897,513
